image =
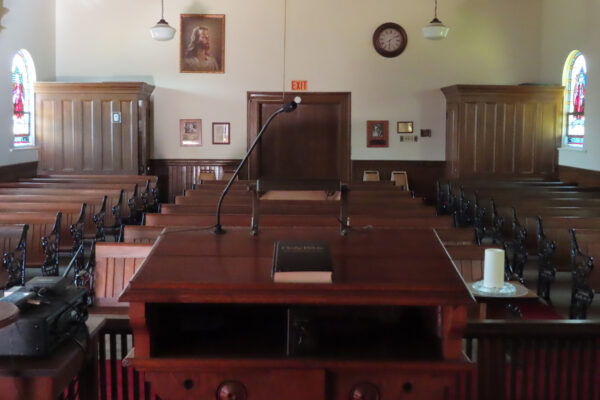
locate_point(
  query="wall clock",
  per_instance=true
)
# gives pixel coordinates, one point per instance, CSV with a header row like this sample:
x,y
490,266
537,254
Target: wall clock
x,y
390,39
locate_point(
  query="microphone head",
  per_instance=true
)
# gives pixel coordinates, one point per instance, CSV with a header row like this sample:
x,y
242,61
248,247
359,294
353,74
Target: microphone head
x,y
289,107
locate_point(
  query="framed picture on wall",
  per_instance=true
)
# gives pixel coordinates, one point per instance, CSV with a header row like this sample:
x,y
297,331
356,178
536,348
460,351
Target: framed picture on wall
x,y
202,47
190,132
377,133
404,127
220,133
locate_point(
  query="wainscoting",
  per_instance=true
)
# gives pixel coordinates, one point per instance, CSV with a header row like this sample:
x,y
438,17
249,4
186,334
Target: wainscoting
x,y
583,177
14,172
175,175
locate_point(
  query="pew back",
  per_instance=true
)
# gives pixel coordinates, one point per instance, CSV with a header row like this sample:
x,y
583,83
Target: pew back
x,y
40,224
115,265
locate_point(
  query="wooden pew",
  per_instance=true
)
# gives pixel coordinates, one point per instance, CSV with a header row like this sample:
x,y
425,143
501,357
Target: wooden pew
x,y
115,265
457,236
94,205
13,245
43,238
147,186
356,222
139,179
587,241
115,198
299,207
72,222
141,234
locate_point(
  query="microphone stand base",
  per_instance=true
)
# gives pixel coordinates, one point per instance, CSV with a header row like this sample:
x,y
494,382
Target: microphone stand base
x,y
218,230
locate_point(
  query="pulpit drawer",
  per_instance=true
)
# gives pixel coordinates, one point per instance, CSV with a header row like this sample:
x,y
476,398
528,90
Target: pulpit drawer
x,y
259,384
397,385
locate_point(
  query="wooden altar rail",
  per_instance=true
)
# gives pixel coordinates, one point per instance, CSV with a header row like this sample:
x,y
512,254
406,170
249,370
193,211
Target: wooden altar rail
x,y
527,360
535,359
118,382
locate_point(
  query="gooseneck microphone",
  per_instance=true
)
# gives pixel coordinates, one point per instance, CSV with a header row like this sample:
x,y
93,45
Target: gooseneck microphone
x,y
287,107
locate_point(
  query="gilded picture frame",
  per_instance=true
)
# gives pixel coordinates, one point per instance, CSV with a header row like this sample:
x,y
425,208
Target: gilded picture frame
x,y
202,43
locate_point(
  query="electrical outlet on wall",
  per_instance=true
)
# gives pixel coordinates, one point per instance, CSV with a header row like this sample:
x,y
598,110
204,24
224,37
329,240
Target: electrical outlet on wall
x,y
116,117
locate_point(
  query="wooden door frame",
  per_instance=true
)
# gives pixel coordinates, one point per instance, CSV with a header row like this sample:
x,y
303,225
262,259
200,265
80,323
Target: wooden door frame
x,y
343,99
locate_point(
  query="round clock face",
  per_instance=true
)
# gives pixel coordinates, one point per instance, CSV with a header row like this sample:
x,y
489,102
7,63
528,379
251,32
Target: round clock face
x,y
390,39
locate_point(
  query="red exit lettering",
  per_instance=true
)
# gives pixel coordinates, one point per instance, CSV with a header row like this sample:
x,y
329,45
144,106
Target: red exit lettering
x,y
299,85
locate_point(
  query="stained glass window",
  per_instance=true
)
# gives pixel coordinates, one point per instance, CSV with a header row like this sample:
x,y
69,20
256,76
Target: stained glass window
x,y
23,77
576,79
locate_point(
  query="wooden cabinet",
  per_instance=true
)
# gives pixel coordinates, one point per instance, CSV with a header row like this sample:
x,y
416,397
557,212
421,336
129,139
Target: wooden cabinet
x,y
502,130
96,128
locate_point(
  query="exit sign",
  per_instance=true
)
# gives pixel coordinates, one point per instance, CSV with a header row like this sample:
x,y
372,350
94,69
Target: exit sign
x,y
299,85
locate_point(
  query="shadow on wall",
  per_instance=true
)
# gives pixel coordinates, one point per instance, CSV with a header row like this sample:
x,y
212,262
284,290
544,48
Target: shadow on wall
x,y
3,11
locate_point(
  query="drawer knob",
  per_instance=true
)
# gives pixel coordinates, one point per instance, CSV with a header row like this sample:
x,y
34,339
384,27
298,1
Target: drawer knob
x,y
188,384
364,391
231,390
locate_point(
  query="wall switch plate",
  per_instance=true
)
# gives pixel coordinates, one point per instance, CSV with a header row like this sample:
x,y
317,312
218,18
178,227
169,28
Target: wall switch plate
x,y
116,117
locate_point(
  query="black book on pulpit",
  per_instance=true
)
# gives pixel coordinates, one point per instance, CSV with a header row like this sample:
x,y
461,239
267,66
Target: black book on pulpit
x,y
302,261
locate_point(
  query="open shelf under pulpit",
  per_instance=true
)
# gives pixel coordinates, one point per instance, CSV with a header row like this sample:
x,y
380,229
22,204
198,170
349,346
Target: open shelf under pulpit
x,y
300,190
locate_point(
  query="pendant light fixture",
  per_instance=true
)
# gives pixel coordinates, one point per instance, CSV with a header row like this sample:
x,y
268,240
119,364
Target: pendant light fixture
x,y
435,30
162,31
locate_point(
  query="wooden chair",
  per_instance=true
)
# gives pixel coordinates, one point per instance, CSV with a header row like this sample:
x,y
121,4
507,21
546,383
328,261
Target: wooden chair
x,y
400,178
370,176
227,176
207,176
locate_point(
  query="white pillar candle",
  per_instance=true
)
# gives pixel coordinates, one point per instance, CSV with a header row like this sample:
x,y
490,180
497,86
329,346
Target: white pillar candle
x,y
493,268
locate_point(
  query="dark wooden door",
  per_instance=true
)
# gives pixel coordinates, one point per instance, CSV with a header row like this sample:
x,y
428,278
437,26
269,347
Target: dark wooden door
x,y
311,142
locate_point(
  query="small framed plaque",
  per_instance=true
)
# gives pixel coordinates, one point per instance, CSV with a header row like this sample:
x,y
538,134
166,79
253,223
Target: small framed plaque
x,y
404,127
220,133
190,132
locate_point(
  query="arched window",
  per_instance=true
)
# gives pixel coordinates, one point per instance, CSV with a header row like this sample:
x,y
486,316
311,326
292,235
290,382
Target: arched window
x,y
575,79
23,77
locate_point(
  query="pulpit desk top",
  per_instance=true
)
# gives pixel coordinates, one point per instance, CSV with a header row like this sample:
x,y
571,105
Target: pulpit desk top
x,y
371,266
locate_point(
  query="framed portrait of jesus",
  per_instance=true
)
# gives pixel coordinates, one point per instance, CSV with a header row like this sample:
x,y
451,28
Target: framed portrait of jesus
x,y
202,47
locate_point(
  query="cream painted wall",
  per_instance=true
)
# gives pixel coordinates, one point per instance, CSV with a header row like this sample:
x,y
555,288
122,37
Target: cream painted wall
x,y
27,24
572,25
328,44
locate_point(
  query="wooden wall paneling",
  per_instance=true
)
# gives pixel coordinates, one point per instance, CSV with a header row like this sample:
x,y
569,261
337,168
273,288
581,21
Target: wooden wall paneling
x,y
452,145
14,172
502,130
176,175
87,138
76,133
311,142
583,177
